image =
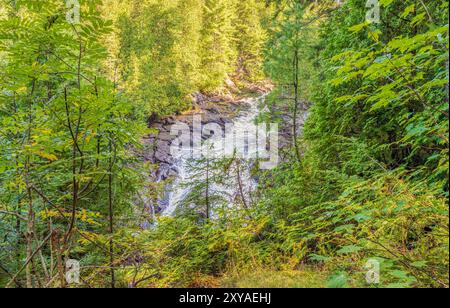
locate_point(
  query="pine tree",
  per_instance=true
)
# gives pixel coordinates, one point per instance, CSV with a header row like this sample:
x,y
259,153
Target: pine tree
x,y
217,52
204,196
250,38
156,71
187,48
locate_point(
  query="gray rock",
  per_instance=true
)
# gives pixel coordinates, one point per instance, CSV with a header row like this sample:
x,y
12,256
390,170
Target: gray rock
x,y
166,136
199,99
162,153
163,172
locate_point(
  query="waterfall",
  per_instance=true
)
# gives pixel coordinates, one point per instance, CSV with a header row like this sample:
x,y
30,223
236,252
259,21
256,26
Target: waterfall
x,y
244,122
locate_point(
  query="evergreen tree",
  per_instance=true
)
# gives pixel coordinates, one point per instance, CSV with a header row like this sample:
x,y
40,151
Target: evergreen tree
x,y
187,47
250,38
207,187
64,141
217,51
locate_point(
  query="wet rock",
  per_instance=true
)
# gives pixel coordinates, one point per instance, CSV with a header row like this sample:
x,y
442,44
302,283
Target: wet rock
x,y
148,151
152,119
169,121
211,118
214,109
200,99
163,172
226,120
166,136
163,202
162,153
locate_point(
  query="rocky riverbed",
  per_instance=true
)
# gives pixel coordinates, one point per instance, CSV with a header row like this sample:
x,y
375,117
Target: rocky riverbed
x,y
212,109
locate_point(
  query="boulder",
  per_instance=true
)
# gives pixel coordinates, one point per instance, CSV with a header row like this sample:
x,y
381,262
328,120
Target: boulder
x,y
166,136
162,153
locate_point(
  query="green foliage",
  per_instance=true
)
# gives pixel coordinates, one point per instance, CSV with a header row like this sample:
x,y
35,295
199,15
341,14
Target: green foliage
x,y
73,102
217,47
373,181
65,131
204,198
171,49
250,37
370,183
157,68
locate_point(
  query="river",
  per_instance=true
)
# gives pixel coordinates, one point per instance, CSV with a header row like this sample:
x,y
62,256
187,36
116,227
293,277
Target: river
x,y
243,123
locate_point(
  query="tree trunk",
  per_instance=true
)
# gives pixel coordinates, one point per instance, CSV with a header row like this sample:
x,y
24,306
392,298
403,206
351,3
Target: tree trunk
x,y
111,216
30,223
296,103
29,238
207,190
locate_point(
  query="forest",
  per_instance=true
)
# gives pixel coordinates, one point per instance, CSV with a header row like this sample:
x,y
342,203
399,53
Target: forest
x,y
90,197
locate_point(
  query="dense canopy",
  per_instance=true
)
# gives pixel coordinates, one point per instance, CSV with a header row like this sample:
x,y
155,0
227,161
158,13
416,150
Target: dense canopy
x,y
362,185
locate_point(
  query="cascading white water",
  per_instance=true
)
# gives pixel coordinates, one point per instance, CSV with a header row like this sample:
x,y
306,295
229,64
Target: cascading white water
x,y
245,122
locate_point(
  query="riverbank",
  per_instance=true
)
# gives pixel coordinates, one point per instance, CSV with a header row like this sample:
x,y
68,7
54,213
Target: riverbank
x,y
213,108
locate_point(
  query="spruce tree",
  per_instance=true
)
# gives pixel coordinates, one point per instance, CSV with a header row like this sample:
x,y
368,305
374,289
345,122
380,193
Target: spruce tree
x,y
217,51
250,38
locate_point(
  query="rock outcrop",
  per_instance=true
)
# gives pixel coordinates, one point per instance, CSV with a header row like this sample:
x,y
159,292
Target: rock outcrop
x,y
212,109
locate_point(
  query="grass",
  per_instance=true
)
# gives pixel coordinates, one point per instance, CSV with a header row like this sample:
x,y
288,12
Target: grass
x,y
307,278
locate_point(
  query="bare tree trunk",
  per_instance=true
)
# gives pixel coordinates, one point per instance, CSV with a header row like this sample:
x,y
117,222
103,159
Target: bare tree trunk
x,y
18,222
111,216
30,223
207,190
52,262
28,261
296,103
74,183
241,188
58,245
36,274
42,260
29,238
75,149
